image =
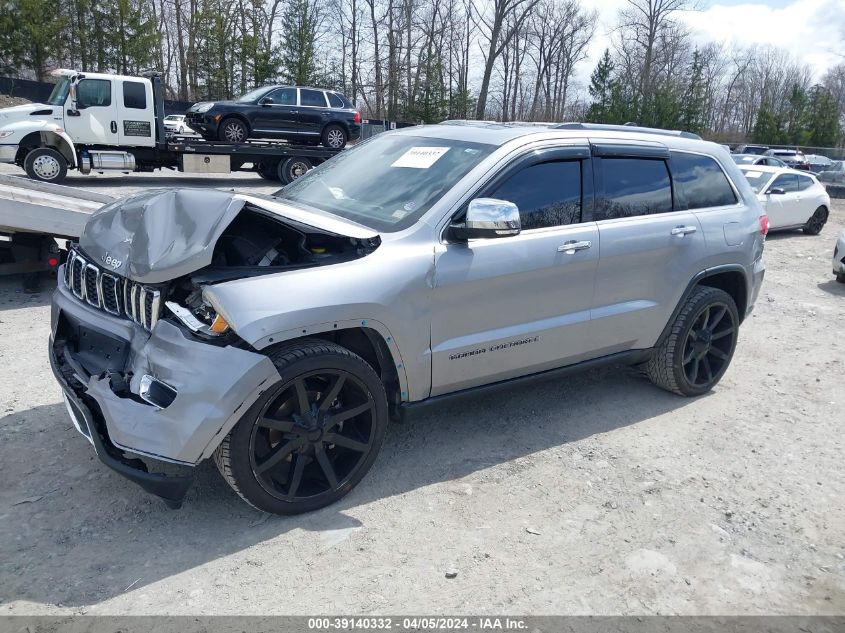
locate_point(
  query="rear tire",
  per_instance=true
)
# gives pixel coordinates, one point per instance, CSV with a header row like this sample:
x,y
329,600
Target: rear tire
x,y
267,172
293,168
233,130
840,278
45,164
700,345
313,437
816,222
334,136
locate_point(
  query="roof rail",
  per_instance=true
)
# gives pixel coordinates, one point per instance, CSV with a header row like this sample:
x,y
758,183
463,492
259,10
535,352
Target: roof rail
x,y
626,128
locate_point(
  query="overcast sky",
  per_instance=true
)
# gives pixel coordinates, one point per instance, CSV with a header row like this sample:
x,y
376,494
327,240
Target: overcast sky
x,y
813,31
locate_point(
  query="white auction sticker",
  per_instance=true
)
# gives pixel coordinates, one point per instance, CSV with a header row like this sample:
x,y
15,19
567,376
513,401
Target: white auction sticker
x,y
753,174
420,157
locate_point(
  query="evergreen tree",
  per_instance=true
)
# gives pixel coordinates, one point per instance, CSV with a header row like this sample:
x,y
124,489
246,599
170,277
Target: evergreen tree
x,y
795,115
601,90
821,119
768,127
693,106
300,21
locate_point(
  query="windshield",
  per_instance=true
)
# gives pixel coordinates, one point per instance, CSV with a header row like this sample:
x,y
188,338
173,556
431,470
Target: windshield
x,y
252,95
173,117
757,179
59,94
389,182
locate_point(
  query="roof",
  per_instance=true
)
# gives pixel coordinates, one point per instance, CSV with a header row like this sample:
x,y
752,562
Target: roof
x,y
493,133
767,169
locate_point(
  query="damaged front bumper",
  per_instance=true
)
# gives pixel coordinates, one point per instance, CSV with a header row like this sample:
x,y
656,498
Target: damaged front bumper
x,y
106,365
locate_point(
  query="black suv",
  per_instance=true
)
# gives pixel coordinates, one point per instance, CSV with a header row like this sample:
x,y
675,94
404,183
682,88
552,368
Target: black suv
x,y
294,113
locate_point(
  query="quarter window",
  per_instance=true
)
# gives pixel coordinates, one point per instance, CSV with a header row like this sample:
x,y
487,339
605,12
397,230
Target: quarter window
x,y
134,95
787,182
804,183
283,96
702,181
547,194
93,93
633,186
335,101
312,98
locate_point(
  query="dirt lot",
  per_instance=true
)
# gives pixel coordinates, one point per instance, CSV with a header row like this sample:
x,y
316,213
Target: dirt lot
x,y
599,494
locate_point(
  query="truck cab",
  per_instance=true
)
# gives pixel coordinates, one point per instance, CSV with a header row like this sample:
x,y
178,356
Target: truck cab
x,y
86,118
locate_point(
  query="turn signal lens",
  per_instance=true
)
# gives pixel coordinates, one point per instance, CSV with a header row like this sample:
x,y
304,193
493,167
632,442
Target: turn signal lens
x,y
219,325
764,224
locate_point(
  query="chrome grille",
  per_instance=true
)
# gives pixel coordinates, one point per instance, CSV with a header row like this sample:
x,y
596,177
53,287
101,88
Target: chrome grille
x,y
111,293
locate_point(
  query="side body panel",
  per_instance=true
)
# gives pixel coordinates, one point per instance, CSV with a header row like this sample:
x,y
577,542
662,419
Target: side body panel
x,y
135,125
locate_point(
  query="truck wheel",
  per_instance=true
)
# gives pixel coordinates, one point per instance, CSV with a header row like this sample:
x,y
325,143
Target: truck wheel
x,y
334,136
293,168
816,222
45,164
233,130
267,171
311,439
701,342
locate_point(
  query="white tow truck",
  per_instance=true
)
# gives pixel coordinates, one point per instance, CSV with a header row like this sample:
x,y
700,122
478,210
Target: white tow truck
x,y
98,122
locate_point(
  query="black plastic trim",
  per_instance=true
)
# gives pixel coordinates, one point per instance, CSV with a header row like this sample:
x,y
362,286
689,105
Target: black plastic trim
x,y
629,357
170,488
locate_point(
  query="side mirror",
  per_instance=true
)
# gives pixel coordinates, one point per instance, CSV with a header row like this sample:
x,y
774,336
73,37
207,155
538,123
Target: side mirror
x,y
775,191
265,101
488,218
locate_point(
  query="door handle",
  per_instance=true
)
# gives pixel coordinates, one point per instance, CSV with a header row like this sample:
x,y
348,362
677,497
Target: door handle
x,y
294,111
572,246
683,230
114,127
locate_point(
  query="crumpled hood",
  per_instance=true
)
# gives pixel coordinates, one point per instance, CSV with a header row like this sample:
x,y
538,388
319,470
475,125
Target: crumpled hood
x,y
164,234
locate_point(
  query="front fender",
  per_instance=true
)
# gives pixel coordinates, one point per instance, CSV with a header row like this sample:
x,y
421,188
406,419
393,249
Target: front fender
x,y
49,134
388,292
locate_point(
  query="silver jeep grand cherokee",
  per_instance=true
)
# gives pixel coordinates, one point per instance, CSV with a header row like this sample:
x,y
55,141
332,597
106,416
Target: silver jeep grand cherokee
x,y
279,334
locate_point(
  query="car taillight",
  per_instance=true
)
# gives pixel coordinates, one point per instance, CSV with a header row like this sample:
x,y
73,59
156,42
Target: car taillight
x,y
764,224
357,118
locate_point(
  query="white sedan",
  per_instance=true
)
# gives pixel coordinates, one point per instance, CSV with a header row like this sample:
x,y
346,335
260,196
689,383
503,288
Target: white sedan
x,y
792,199
175,124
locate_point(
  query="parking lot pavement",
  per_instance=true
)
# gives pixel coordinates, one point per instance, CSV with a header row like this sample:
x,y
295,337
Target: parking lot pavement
x,y
596,494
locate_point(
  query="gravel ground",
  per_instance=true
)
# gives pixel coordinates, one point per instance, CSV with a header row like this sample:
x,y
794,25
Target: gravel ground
x,y
597,494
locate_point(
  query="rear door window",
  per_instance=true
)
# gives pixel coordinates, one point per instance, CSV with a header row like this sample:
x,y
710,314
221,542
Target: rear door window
x,y
632,187
701,181
314,98
547,194
134,95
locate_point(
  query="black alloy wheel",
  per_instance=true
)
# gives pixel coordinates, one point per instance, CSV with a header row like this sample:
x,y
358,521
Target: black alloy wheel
x,y
709,344
816,222
310,440
695,353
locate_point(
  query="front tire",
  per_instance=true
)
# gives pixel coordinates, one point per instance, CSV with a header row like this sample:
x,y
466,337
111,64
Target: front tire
x,y
45,164
816,222
700,345
233,130
840,277
313,437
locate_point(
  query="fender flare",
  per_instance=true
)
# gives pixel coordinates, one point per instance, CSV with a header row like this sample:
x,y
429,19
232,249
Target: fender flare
x,y
51,135
333,326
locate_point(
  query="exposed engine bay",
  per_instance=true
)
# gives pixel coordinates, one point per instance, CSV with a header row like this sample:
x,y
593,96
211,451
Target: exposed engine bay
x,y
151,255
